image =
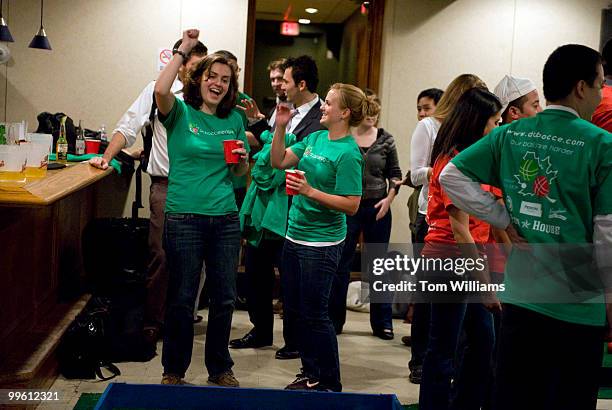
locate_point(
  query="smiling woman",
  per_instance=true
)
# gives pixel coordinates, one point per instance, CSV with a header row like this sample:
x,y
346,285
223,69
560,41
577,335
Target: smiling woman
x,y
201,213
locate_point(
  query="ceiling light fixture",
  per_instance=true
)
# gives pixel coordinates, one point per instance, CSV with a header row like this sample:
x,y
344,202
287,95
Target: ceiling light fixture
x,y
303,21
5,34
40,40
311,10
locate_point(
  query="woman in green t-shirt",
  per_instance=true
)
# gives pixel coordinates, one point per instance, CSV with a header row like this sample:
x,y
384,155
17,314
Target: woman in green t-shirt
x,y
331,187
201,215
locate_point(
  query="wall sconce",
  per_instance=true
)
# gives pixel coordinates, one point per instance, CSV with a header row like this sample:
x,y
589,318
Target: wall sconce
x,y
40,40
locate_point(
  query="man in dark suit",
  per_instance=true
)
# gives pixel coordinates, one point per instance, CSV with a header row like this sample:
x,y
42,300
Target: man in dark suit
x,y
300,81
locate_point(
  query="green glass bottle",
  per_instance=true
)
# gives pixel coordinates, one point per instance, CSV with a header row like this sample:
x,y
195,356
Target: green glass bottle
x,y
62,143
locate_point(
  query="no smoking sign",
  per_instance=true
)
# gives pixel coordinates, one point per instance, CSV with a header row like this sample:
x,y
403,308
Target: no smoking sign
x,y
164,55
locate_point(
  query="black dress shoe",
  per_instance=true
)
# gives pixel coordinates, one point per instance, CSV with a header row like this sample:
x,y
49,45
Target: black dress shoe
x,y
285,354
384,334
247,341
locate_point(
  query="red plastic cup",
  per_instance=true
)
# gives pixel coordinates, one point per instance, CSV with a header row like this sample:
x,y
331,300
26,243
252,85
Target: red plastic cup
x,y
228,146
296,173
92,146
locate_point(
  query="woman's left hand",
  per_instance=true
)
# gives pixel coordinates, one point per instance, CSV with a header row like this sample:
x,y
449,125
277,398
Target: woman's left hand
x,y
241,151
383,207
300,185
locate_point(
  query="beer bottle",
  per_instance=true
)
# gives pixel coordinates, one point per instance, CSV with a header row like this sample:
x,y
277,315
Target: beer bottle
x,y
61,148
80,140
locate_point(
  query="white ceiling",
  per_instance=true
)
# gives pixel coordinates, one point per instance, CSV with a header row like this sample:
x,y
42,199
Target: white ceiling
x,y
330,11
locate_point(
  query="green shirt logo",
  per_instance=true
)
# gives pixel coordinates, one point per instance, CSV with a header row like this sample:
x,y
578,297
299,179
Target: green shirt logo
x,y
535,175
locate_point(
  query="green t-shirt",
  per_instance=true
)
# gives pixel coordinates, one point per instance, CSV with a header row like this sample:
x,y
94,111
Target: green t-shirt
x,y
240,182
334,167
199,179
555,173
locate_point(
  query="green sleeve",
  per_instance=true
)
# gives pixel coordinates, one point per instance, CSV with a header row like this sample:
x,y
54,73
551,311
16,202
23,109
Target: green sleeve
x,y
603,175
299,147
178,110
480,161
349,175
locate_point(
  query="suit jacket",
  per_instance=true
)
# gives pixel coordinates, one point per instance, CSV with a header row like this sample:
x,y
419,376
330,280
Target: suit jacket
x,y
309,124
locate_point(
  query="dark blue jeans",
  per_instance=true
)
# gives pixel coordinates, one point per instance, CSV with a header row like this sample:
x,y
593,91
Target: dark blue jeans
x,y
373,232
308,272
421,316
188,240
470,377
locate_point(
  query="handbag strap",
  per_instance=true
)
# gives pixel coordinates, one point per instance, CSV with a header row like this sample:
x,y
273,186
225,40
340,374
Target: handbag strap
x,y
108,366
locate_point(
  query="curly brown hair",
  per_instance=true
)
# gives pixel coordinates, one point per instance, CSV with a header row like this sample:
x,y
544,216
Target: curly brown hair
x,y
193,94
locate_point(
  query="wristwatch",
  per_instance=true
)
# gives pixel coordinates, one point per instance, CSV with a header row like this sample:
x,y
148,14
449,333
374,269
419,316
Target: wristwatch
x,y
181,53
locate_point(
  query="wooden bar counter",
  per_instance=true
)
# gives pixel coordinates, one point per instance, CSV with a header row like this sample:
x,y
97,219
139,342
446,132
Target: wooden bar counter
x,y
41,267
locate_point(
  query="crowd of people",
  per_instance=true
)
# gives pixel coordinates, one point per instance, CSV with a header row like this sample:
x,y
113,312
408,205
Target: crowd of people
x,y
324,174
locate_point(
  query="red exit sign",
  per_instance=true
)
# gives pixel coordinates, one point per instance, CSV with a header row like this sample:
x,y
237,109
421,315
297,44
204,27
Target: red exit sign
x,y
290,28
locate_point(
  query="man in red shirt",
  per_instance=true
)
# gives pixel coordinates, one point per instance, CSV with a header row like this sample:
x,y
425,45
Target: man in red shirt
x,y
602,117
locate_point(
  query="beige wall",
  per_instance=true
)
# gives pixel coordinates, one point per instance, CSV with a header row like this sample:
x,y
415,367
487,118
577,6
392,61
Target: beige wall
x,y
428,43
104,52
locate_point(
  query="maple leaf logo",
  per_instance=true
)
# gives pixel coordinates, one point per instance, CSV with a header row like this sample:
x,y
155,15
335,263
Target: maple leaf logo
x,y
535,176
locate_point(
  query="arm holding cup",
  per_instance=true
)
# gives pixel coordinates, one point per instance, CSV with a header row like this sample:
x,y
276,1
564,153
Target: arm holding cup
x,y
348,204
242,166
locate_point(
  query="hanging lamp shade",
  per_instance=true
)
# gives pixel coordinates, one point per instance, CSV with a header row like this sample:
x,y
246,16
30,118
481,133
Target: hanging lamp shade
x,y
5,33
40,40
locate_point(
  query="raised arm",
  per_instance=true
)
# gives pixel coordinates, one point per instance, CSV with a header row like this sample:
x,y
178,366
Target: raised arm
x,y
281,157
163,93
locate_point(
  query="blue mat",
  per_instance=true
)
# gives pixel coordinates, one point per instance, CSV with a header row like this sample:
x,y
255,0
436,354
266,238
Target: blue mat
x,y
148,396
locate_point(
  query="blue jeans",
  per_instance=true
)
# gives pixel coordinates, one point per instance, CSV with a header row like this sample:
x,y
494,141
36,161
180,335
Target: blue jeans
x,y
381,315
188,240
439,367
308,273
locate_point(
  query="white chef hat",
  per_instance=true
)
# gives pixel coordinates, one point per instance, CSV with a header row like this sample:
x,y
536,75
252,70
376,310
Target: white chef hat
x,y
511,88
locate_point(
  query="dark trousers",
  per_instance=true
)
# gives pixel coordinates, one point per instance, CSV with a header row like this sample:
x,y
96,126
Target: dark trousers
x,y
157,277
545,363
189,240
419,329
470,377
259,267
373,232
308,273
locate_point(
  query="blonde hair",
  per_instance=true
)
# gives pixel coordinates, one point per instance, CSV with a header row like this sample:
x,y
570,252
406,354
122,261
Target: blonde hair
x,y
355,100
454,91
277,64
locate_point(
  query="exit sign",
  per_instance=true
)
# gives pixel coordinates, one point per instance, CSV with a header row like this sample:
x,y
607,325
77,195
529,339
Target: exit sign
x,y
290,28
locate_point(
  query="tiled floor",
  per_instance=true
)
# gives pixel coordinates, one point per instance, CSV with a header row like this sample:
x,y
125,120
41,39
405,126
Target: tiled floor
x,y
368,364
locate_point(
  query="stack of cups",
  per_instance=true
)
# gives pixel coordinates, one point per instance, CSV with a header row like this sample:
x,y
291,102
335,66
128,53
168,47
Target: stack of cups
x,y
13,162
38,150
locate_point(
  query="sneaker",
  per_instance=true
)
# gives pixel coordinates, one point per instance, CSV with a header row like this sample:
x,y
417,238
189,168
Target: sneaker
x,y
172,379
303,382
226,379
416,374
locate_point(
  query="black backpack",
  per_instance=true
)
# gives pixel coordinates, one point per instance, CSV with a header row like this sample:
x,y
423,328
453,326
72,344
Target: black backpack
x,y
82,350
